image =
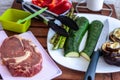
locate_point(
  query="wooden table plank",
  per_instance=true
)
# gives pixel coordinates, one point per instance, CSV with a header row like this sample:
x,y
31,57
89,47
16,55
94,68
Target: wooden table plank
x,y
116,76
77,75
40,31
70,74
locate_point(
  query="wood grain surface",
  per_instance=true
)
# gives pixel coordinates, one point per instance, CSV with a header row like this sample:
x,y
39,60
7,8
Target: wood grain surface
x,y
40,31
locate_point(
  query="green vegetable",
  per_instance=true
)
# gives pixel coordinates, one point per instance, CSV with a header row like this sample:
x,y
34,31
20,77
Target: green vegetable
x,y
94,31
52,40
57,40
63,38
72,43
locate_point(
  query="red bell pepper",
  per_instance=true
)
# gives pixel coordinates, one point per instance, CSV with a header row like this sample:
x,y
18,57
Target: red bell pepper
x,y
42,3
54,3
61,7
56,6
35,2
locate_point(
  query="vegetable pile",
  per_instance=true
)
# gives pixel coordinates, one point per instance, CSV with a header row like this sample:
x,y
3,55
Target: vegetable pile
x,y
71,43
57,40
71,48
56,6
111,49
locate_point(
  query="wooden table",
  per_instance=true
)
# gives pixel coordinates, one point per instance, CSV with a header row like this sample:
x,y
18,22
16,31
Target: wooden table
x,y
40,31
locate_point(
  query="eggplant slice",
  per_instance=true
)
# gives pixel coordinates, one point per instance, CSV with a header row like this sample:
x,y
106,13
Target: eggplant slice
x,y
115,35
111,53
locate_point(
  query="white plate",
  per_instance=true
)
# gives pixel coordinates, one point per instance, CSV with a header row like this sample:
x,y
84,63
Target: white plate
x,y
81,64
50,69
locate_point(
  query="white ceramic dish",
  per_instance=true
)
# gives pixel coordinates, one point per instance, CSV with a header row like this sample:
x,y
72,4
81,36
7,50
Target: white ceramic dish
x,y
49,71
81,64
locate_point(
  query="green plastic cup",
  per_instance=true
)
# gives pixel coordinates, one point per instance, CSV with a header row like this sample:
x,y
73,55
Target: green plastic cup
x,y
9,18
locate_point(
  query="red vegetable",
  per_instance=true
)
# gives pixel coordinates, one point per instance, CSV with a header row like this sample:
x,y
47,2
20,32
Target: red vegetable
x,y
54,3
56,6
42,3
61,7
35,2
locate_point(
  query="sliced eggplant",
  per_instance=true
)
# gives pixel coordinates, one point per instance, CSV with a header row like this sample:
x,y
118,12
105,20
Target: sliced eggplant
x,y
115,35
111,53
112,46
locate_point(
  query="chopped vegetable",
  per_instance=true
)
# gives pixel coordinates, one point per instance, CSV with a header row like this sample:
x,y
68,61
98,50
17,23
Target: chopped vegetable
x,y
115,35
63,38
61,7
72,43
111,53
54,2
94,31
57,40
56,6
52,40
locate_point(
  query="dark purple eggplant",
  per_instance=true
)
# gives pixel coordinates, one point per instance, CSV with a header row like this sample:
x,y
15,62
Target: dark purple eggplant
x,y
111,53
115,35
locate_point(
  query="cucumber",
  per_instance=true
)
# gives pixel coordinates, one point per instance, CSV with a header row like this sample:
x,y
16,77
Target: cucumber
x,y
71,47
94,31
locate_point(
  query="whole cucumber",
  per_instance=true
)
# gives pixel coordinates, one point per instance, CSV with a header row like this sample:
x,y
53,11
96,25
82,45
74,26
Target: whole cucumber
x,y
94,31
71,48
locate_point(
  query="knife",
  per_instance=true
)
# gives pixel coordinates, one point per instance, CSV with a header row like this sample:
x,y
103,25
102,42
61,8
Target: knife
x,y
90,74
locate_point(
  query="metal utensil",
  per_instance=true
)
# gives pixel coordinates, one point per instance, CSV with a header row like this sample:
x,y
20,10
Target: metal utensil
x,y
50,23
49,18
90,74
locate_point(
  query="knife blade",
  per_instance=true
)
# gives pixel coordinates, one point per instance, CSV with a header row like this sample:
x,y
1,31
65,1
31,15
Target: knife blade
x,y
90,74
